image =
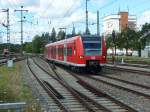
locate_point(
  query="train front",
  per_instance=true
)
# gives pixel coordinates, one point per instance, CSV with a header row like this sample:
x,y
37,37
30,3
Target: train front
x,y
94,52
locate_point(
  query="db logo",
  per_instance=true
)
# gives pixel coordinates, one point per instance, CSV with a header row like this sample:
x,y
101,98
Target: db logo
x,y
93,57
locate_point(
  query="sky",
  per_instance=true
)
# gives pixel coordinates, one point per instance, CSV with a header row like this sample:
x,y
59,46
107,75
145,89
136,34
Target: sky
x,y
43,15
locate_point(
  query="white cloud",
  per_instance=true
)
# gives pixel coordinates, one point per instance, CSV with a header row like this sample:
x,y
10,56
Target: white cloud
x,y
17,3
54,8
99,2
143,18
61,13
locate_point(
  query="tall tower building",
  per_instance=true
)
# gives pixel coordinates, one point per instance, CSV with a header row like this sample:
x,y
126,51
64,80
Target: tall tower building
x,y
118,22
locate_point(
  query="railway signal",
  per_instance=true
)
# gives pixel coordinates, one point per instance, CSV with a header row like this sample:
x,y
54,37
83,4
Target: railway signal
x,y
8,28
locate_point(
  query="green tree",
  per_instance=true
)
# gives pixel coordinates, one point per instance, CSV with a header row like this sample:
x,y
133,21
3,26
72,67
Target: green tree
x,y
12,47
61,35
145,34
108,41
112,41
27,47
45,38
128,39
79,33
15,48
37,44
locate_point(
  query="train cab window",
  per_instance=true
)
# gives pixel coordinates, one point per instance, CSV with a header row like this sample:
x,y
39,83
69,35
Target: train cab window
x,y
92,45
69,51
92,48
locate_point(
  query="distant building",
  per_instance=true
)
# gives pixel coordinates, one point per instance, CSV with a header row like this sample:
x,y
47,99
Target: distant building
x,y
118,22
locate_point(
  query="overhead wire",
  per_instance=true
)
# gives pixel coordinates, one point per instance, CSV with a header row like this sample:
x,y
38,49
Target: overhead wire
x,y
46,9
140,12
68,11
108,4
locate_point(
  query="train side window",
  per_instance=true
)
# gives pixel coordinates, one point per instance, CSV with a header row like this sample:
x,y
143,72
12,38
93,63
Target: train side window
x,y
65,51
69,51
59,53
49,50
62,51
54,51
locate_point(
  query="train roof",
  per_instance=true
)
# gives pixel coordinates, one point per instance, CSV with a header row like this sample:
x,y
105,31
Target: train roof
x,y
83,37
91,37
62,41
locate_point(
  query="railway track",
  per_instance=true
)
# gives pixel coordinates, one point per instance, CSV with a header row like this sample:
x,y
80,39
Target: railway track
x,y
72,99
131,64
99,97
124,85
54,103
135,65
139,71
139,100
127,77
3,61
124,81
136,88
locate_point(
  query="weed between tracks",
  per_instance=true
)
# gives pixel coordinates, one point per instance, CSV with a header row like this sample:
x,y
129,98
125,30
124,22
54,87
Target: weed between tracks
x,y
14,89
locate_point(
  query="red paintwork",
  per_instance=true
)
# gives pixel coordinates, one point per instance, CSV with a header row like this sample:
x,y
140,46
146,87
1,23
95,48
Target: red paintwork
x,y
77,50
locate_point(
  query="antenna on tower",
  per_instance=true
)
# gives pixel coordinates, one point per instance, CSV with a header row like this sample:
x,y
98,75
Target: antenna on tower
x,y
119,9
128,9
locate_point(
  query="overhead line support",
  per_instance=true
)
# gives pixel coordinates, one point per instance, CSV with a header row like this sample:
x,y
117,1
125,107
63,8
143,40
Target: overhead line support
x,y
21,13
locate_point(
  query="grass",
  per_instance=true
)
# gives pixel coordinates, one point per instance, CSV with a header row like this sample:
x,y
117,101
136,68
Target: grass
x,y
14,89
131,59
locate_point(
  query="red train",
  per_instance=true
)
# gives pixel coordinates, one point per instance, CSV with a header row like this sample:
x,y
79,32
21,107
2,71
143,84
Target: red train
x,y
78,52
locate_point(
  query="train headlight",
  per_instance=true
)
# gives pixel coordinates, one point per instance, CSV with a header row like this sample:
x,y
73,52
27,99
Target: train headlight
x,y
81,57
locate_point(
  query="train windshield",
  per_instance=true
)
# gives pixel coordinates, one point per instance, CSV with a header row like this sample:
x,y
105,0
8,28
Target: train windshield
x,y
92,46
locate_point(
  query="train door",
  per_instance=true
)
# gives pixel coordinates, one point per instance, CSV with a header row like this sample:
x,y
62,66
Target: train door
x,y
74,52
48,52
57,52
61,53
70,52
65,52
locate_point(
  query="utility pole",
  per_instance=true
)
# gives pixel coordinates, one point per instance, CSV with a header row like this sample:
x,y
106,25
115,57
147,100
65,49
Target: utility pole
x,y
8,30
114,39
21,12
98,28
87,29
